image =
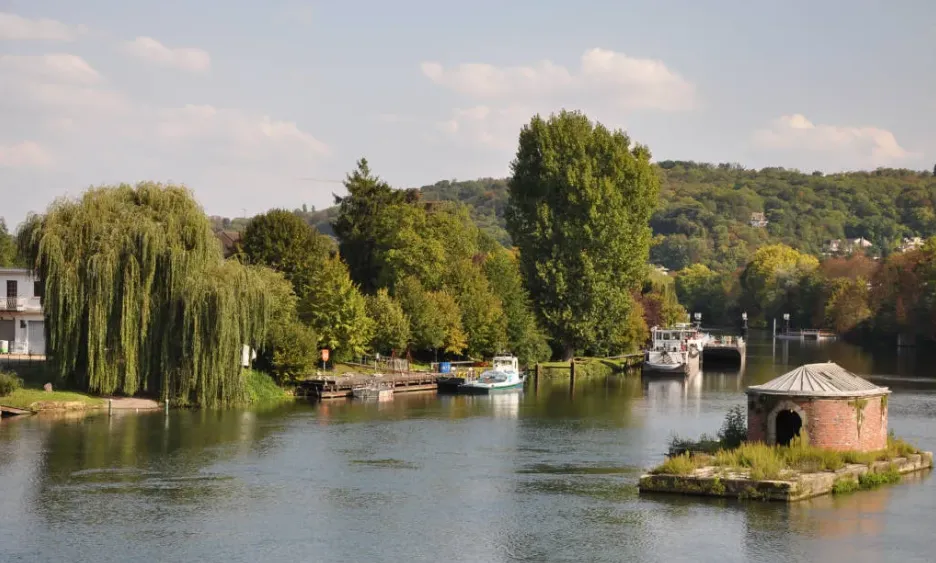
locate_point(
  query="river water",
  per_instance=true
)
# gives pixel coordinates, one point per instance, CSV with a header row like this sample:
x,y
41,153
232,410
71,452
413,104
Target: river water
x,y
546,475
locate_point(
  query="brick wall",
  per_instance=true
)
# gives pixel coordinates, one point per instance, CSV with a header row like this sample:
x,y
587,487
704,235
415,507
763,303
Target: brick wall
x,y
831,423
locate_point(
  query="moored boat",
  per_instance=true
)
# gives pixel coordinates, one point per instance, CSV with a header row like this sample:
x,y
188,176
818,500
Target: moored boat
x,y
504,375
373,391
674,350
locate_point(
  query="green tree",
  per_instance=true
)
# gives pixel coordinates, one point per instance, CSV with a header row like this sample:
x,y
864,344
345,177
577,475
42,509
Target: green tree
x,y
847,306
295,351
335,309
281,240
357,222
580,201
138,297
435,319
774,273
8,253
524,336
482,314
391,325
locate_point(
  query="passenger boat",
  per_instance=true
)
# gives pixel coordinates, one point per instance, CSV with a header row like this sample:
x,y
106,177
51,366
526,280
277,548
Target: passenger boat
x,y
373,391
503,375
674,350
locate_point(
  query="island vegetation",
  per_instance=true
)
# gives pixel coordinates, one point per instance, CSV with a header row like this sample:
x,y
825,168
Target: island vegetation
x,y
709,462
579,252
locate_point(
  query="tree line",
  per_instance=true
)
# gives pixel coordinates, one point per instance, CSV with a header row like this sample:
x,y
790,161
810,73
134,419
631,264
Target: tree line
x,y
139,298
865,298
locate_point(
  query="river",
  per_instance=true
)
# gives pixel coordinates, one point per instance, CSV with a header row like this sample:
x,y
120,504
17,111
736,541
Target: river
x,y
546,475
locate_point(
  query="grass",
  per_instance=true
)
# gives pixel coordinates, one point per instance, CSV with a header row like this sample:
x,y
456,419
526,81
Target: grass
x,y
261,388
865,481
29,394
765,462
683,464
28,399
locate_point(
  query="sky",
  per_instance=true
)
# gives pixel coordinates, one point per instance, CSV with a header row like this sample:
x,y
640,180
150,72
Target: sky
x,y
255,105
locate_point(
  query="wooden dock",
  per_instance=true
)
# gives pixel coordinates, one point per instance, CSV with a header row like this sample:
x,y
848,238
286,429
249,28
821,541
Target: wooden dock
x,y
807,334
340,387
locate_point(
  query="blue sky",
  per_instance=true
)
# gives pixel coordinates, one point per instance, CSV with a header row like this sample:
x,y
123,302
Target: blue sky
x,y
267,104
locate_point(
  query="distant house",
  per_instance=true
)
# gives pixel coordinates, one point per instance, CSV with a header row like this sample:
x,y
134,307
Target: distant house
x,y
22,324
758,220
840,246
230,242
910,244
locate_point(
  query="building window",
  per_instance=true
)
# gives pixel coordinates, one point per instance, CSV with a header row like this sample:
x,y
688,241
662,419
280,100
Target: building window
x,y
38,288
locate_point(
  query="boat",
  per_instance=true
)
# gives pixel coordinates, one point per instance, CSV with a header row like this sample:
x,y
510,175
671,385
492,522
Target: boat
x,y
503,375
674,350
373,391
724,349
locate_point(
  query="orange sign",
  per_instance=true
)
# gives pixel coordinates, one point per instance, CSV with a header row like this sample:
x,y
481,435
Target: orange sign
x,y
325,354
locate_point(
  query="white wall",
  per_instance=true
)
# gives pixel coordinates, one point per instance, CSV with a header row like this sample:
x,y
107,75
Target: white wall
x,y
24,278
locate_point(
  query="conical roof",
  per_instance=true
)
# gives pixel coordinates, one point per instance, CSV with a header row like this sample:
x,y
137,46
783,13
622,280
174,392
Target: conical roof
x,y
819,380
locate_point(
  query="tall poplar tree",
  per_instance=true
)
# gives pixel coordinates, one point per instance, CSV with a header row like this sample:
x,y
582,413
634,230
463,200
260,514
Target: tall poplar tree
x,y
580,200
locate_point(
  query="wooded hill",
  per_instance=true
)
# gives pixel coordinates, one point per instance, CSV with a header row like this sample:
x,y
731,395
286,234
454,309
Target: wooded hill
x,y
704,213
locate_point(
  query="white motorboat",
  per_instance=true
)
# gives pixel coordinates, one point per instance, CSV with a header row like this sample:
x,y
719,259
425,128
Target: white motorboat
x,y
503,375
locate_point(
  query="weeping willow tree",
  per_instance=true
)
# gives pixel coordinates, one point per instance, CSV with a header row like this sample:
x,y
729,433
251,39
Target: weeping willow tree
x,y
138,297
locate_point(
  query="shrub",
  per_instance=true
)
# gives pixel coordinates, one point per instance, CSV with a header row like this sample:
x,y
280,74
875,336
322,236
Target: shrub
x,y
873,480
898,448
9,383
844,485
705,444
682,464
734,428
260,388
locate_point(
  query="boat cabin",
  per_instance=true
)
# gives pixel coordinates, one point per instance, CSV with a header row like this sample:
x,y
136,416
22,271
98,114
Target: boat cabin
x,y
505,363
673,339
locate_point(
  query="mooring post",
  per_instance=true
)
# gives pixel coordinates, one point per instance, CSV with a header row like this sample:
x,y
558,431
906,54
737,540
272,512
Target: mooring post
x,y
572,372
110,407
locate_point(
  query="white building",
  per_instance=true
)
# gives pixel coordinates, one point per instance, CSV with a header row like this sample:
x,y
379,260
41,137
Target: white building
x,y
909,244
22,324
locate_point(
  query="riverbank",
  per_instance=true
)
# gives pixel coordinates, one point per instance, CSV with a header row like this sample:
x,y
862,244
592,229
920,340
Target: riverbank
x,y
793,486
591,366
27,393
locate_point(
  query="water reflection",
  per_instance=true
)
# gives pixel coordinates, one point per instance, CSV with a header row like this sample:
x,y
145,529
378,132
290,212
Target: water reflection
x,y
542,475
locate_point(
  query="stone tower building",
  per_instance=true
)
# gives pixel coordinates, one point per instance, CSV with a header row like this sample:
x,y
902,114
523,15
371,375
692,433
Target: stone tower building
x,y
837,409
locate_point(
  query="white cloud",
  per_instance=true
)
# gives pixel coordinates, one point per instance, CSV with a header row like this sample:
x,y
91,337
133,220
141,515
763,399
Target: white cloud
x,y
246,132
859,146
23,154
183,58
487,127
608,84
55,67
57,84
615,78
18,28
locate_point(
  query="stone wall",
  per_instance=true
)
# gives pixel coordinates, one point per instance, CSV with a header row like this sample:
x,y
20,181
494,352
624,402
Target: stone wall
x,y
839,424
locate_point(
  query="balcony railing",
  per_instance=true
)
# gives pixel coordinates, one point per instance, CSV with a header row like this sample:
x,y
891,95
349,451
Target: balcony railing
x,y
21,304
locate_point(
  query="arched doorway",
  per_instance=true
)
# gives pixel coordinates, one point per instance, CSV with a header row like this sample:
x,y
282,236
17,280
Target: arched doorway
x,y
788,426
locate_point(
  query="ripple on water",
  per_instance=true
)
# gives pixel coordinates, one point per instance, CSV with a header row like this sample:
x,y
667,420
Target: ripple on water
x,y
388,463
569,469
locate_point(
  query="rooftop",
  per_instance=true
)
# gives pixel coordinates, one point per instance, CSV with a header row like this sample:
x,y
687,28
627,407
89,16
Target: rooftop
x,y
819,380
